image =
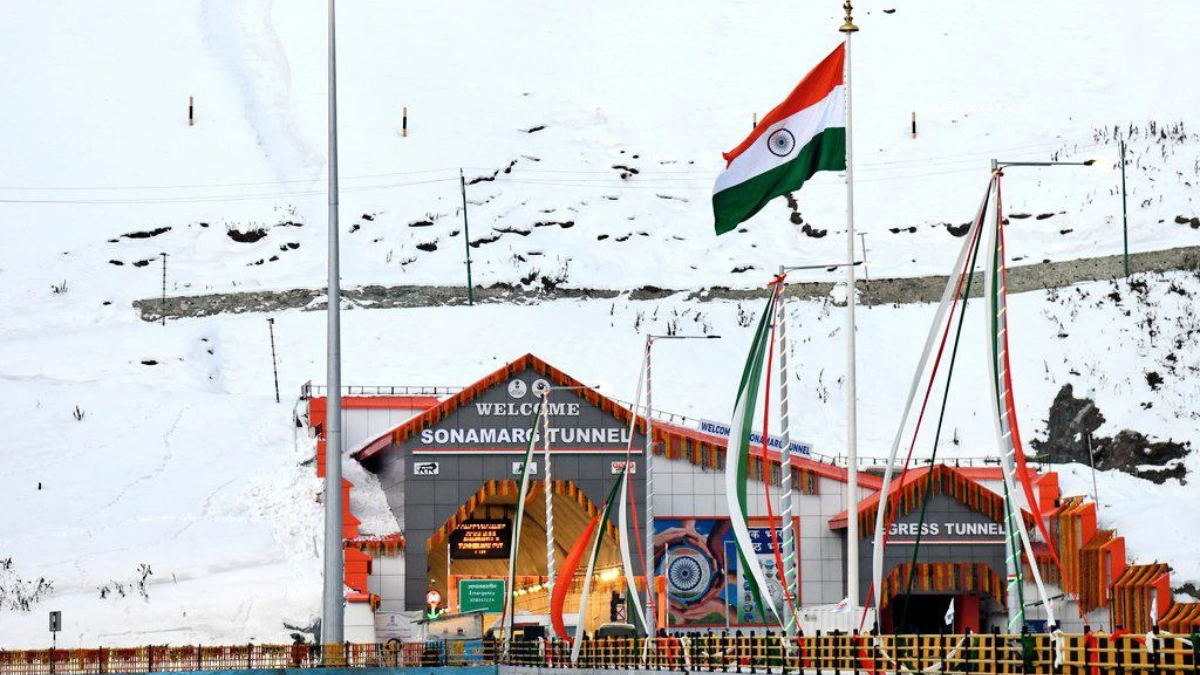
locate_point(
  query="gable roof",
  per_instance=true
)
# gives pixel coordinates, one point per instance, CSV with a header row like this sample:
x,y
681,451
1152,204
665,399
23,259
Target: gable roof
x,y
908,494
670,440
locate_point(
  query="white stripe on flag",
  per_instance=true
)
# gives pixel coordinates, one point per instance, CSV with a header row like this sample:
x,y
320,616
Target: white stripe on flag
x,y
804,125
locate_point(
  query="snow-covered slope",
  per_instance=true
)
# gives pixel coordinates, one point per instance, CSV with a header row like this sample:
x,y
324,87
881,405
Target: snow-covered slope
x,y
188,465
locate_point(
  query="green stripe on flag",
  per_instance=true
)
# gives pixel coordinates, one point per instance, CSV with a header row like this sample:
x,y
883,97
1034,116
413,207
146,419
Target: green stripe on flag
x,y
734,205
739,455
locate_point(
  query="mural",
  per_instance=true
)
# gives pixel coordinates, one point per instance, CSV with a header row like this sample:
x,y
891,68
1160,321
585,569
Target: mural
x,y
704,580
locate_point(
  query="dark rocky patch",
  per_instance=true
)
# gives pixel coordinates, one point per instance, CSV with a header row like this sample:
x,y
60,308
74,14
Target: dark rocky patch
x,y
534,130
1019,216
355,228
611,198
484,179
623,238
149,362
601,237
889,11
146,234
1069,230
248,237
626,171
564,224
118,263
286,223
1043,216
957,230
1154,380
368,217
513,230
273,258
739,270
528,278
421,223
143,263
1073,420
428,247
813,232
106,303
485,240
1182,220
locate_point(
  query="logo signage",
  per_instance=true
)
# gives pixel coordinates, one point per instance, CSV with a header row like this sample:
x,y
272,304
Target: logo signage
x,y
481,540
619,466
481,595
433,598
756,438
425,468
501,420
518,466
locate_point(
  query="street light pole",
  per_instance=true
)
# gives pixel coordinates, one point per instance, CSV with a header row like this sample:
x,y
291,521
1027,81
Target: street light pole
x,y
651,623
333,601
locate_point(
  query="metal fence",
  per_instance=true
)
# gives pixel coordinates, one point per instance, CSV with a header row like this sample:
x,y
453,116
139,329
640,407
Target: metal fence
x,y
164,659
976,654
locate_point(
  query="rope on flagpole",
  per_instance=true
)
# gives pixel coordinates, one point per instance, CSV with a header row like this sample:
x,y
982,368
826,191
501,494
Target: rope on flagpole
x,y
790,580
549,494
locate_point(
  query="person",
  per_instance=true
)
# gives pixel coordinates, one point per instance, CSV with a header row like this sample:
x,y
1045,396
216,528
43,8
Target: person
x,y
1059,640
1194,639
970,655
1089,650
1028,650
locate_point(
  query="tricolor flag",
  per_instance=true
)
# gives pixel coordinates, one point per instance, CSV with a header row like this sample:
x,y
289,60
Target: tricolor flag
x,y
801,136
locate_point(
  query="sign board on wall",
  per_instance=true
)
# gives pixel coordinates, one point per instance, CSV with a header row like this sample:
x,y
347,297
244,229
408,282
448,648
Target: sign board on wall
x,y
481,540
619,466
500,421
425,468
774,442
480,595
946,531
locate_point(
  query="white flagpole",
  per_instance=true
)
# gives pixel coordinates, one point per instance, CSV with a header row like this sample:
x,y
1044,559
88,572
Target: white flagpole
x,y
852,562
788,572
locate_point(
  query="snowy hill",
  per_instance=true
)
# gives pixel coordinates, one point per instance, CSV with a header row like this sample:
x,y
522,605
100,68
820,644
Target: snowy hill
x,y
183,461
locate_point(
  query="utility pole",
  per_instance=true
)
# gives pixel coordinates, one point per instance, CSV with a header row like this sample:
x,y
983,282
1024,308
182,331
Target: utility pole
x,y
462,181
1124,210
162,304
862,236
274,362
332,614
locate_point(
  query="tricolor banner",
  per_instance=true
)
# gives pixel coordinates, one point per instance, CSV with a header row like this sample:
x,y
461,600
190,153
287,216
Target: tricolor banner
x,y
801,136
737,460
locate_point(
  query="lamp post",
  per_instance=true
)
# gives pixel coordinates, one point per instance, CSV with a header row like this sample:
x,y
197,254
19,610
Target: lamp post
x,y
333,600
791,577
650,619
1124,210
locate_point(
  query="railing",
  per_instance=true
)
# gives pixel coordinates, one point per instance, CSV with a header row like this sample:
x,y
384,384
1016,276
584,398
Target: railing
x,y
433,653
982,654
309,390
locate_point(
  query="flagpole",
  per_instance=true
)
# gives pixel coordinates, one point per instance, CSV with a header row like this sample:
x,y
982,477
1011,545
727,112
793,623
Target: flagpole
x,y
852,562
789,570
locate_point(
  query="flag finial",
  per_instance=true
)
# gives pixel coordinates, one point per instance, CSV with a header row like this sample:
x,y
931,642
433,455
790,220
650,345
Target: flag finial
x,y
849,26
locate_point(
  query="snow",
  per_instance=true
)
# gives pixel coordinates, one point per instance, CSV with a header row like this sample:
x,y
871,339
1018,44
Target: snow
x,y
189,466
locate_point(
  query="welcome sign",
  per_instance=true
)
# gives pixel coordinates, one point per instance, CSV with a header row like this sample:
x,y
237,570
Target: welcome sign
x,y
501,421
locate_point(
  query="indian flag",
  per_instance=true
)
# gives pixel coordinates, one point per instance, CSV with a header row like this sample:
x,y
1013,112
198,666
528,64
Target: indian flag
x,y
801,136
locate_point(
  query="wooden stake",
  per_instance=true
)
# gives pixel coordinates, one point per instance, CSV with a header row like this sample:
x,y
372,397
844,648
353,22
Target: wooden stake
x,y
191,111
404,124
914,124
